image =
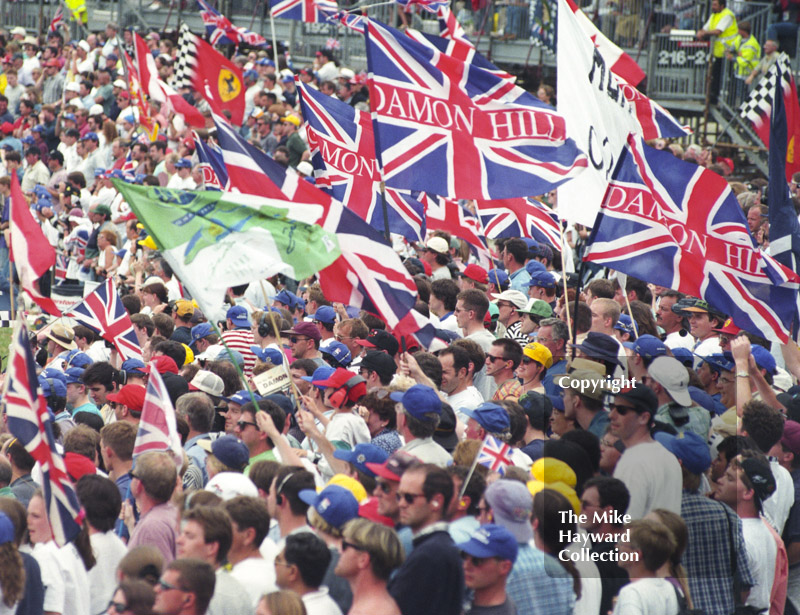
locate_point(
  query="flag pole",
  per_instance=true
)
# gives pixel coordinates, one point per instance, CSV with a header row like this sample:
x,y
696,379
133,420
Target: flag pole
x,y
577,298
471,472
11,288
564,280
277,331
274,38
385,214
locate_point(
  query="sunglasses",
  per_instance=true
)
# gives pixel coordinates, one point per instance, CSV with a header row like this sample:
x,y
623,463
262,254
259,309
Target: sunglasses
x,y
242,425
294,340
621,410
167,586
384,486
493,359
350,545
527,360
409,497
119,607
475,561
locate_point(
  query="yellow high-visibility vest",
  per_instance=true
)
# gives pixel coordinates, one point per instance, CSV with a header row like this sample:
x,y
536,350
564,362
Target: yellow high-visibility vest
x,y
727,36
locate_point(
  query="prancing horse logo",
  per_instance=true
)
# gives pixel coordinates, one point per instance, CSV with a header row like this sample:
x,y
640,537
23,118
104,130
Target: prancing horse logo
x,y
229,85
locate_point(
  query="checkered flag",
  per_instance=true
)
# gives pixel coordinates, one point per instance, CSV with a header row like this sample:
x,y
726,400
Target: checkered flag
x,y
187,58
758,107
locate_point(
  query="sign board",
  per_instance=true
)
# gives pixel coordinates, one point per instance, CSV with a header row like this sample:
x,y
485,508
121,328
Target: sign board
x,y
272,381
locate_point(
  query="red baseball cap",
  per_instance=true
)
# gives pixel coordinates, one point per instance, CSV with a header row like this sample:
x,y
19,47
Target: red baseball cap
x,y
131,395
163,365
477,273
728,327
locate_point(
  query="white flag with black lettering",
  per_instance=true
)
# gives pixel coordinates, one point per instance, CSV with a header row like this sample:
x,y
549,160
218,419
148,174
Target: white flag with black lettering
x,y
598,117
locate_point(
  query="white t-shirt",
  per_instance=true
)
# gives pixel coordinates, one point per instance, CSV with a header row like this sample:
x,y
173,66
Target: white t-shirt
x,y
469,398
647,597
320,603
777,506
482,338
76,581
257,576
761,553
676,340
52,579
108,549
229,598
653,477
348,428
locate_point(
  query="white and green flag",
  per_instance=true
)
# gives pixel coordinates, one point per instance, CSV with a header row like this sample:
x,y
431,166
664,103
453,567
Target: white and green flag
x,y
215,240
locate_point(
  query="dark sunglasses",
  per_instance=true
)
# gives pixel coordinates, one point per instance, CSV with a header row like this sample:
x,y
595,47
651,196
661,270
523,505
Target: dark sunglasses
x,y
409,497
527,360
119,607
621,410
475,561
350,545
294,339
243,425
166,586
493,359
383,486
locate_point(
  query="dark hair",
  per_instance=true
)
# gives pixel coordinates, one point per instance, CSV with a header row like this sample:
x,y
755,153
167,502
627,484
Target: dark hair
x,y
173,350
143,321
612,492
132,304
430,366
249,512
588,442
289,482
476,301
101,500
262,473
733,445
512,351
437,481
460,357
310,554
216,524
382,406
158,289
475,353
548,506
763,424
446,291
19,456
139,596
276,413
196,577
164,324
518,249
307,365
475,487
601,287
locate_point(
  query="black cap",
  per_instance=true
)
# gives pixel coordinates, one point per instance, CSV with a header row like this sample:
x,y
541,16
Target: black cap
x,y
445,434
381,339
642,398
760,476
379,362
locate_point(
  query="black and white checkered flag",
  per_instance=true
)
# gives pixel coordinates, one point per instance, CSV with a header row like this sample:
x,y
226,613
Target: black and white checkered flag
x,y
186,62
759,105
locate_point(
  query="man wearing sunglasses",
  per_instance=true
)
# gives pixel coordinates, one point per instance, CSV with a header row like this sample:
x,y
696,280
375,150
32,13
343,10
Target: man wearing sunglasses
x,y
419,587
489,556
185,588
304,341
650,472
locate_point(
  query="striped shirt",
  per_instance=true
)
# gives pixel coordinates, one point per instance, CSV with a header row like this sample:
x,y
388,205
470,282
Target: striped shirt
x,y
241,340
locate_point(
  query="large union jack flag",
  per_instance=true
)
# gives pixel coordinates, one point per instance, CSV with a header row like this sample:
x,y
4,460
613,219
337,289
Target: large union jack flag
x,y
679,226
520,218
158,430
369,274
309,11
495,455
221,31
343,152
431,6
30,423
102,311
446,127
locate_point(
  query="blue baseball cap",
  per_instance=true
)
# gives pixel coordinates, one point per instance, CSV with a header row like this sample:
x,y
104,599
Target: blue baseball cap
x,y
535,267
763,358
38,128
287,298
418,401
624,324
74,375
648,347
7,532
27,140
90,136
320,374
335,504
498,277
241,397
492,417
272,355
719,362
250,74
690,449
69,116
77,358
533,245
325,314
339,352
41,191
684,355
52,386
230,450
200,331
183,163
133,366
238,316
491,540
704,400
557,401
544,279
361,455
265,62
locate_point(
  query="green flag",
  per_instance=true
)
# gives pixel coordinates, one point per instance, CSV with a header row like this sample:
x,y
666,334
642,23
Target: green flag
x,y
215,240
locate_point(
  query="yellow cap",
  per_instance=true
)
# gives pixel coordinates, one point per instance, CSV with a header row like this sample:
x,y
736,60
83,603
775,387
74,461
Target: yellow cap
x,y
148,242
189,355
539,353
535,486
552,470
351,484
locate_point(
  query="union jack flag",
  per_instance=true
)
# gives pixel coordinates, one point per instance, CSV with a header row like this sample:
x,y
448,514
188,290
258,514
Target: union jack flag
x,y
30,423
309,11
210,160
369,275
128,168
158,430
448,215
333,43
446,127
343,152
57,21
494,454
679,226
221,31
431,6
520,218
102,311
354,21
62,262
